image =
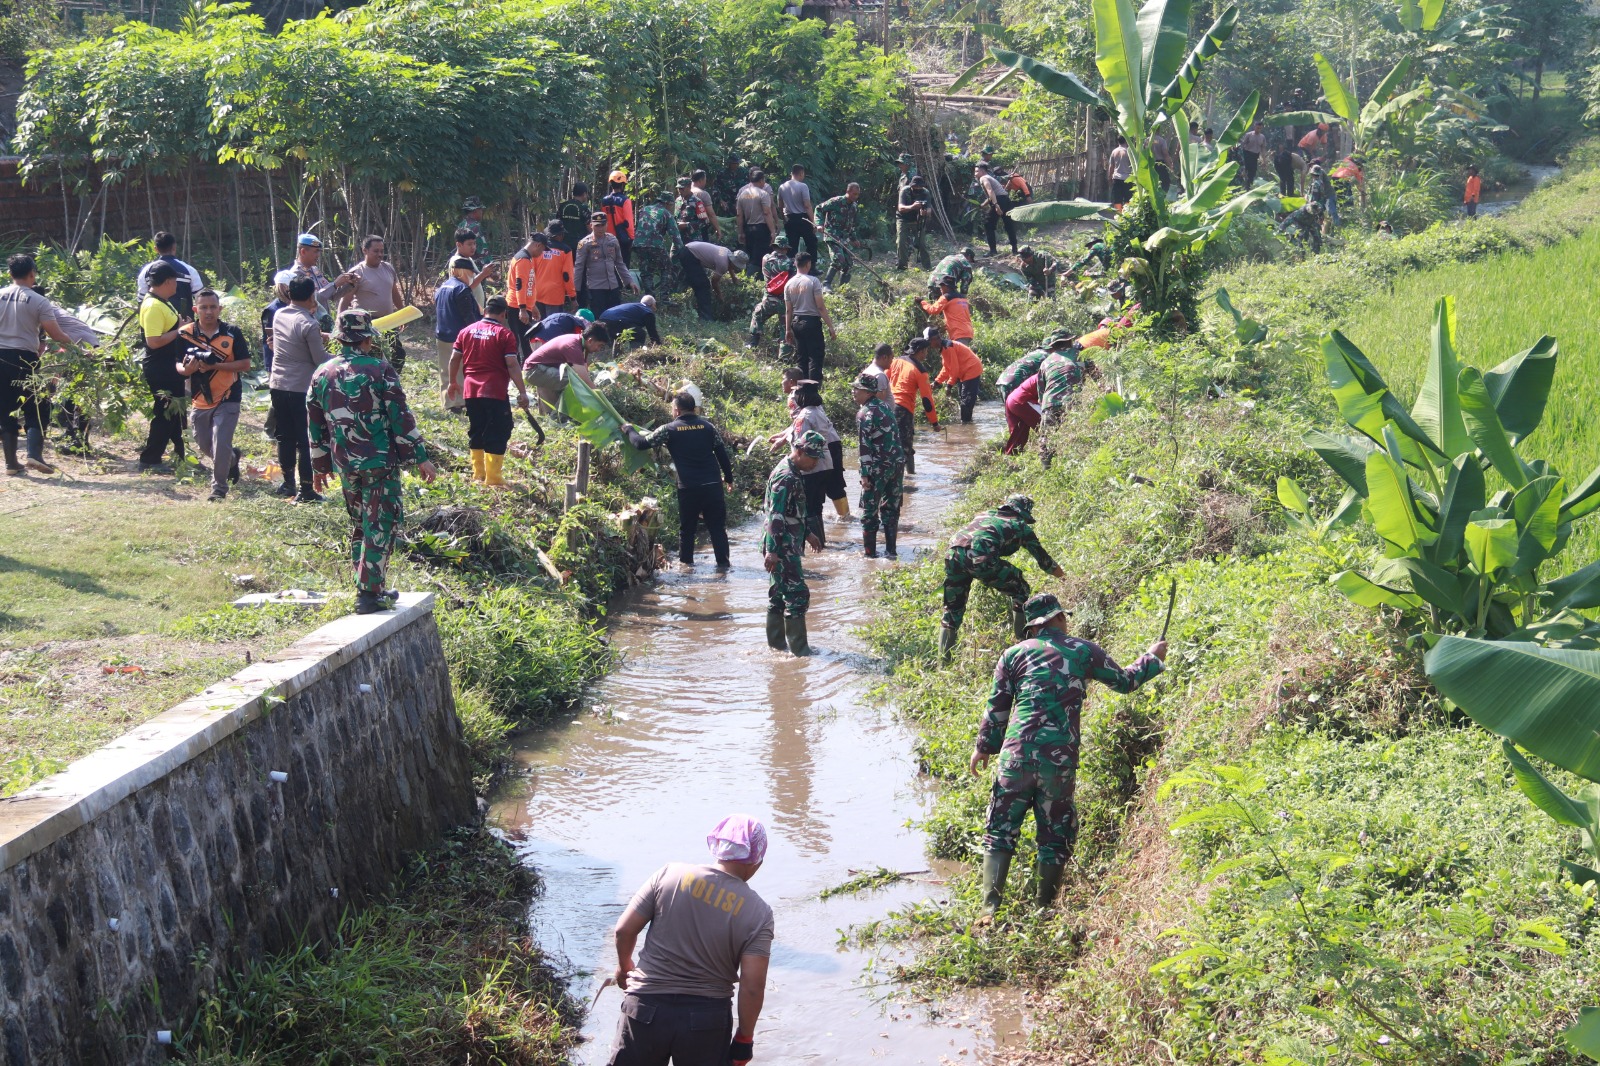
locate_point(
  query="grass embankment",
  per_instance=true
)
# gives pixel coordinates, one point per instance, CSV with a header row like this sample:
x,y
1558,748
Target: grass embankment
x,y
1362,882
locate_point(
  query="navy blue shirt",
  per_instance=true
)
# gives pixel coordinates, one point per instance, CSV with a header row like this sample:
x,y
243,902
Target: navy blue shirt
x,y
556,325
695,446
454,309
627,316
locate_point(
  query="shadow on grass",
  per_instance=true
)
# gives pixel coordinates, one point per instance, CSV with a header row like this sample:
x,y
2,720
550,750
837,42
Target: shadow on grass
x,y
76,580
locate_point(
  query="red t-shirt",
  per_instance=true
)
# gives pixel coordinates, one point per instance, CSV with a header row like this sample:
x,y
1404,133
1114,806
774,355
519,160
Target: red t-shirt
x,y
484,346
567,350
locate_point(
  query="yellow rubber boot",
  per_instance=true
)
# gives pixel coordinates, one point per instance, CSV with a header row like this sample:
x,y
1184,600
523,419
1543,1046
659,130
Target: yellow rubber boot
x,y
842,505
477,465
491,470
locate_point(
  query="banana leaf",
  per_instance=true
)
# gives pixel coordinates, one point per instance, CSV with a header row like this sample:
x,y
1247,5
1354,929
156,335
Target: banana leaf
x,y
1583,1035
1346,455
1299,118
1583,499
1464,494
1386,90
1433,583
1483,426
1119,56
969,75
1545,700
1438,407
1535,508
1365,592
1339,97
1164,36
1579,590
598,422
1047,211
1431,12
1178,89
1491,544
1240,122
1390,508
1520,387
1059,82
1561,807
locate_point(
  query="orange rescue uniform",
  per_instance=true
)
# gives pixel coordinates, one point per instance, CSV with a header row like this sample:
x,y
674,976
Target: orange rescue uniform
x,y
960,364
957,314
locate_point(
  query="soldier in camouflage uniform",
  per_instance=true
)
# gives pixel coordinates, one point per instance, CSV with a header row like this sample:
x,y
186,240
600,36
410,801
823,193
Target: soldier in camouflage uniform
x,y
1098,250
837,225
778,261
883,467
694,220
979,553
472,222
953,266
655,243
1024,368
908,170
1060,378
1040,268
911,224
1032,723
784,542
362,429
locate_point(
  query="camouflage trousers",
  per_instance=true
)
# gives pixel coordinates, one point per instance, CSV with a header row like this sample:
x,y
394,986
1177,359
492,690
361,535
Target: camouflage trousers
x,y
395,352
840,260
655,269
960,570
786,586
882,490
1028,783
769,307
909,236
373,501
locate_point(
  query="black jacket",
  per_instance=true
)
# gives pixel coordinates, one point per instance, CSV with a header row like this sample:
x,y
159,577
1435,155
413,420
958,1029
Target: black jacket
x,y
695,446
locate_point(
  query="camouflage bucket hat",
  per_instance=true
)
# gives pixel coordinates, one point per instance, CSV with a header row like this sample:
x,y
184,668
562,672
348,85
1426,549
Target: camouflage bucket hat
x,y
355,325
866,383
781,241
664,196
472,203
1021,506
906,157
1041,608
811,444
1060,336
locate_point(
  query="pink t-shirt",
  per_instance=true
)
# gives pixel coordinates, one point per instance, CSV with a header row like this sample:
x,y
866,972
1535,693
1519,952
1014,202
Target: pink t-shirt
x,y
563,351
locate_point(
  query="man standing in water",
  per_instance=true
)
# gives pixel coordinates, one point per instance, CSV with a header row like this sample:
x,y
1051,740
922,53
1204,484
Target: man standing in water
x,y
703,466
1032,724
784,542
708,930
883,465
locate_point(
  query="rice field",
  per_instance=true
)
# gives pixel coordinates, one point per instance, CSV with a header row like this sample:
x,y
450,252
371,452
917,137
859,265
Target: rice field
x,y
1503,305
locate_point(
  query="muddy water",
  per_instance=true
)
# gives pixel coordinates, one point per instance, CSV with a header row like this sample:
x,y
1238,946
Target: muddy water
x,y
1495,203
701,719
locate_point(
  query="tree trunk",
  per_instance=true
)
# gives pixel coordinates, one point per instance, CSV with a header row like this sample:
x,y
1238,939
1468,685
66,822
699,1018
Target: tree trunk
x,y
272,217
66,215
1538,79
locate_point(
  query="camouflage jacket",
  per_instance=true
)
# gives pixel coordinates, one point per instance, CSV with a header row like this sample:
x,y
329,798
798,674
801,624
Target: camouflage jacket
x,y
992,536
654,228
475,227
1043,267
786,510
694,221
1038,694
837,219
1059,377
1097,251
774,263
905,179
953,266
1021,370
878,434
360,422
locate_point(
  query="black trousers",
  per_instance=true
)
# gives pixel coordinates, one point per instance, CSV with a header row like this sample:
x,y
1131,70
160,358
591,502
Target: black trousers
x,y
817,485
835,487
757,243
1285,178
809,346
799,228
992,218
1252,163
697,503
969,391
685,1030
166,418
906,421
17,365
695,276
488,424
294,436
598,300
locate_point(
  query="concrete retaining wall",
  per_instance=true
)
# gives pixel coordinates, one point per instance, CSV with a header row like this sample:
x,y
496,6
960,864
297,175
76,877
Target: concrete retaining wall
x,y
179,836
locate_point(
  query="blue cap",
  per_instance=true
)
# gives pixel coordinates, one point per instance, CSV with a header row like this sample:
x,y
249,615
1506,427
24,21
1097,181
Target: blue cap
x,y
309,240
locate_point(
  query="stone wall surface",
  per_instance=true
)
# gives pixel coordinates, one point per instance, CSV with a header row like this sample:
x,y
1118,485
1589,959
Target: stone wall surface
x,y
134,879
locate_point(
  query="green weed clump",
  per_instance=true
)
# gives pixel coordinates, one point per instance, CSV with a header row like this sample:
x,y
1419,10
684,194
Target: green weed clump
x,y
1291,851
444,973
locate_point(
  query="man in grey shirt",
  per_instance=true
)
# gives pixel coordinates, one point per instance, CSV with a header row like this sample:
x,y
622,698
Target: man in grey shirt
x,y
708,930
799,221
298,348
23,313
805,312
757,214
377,291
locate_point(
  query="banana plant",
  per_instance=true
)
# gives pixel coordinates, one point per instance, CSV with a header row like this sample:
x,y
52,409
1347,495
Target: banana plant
x,y
1546,701
1388,100
1467,524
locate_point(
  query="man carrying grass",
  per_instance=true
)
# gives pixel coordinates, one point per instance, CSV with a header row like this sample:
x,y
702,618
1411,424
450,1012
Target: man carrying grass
x,y
362,429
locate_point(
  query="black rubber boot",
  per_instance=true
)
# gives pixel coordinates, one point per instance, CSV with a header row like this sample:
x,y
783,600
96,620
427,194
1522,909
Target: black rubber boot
x,y
795,628
1019,623
889,536
911,463
366,604
947,643
1049,884
996,868
869,544
753,340
8,440
775,637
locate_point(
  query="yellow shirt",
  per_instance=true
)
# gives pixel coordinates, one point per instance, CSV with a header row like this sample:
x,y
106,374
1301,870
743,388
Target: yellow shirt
x,y
156,317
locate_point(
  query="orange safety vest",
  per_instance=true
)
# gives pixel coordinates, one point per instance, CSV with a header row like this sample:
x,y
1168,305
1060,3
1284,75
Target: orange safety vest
x,y
208,388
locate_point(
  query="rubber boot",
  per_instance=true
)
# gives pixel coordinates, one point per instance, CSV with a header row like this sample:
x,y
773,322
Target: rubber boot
x,y
889,535
373,604
911,462
842,505
8,440
492,465
753,339
869,544
996,868
1019,622
947,643
775,637
795,628
478,465
1049,884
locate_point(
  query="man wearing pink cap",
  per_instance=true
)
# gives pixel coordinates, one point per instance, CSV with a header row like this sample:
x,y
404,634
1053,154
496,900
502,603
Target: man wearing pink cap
x,y
708,930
